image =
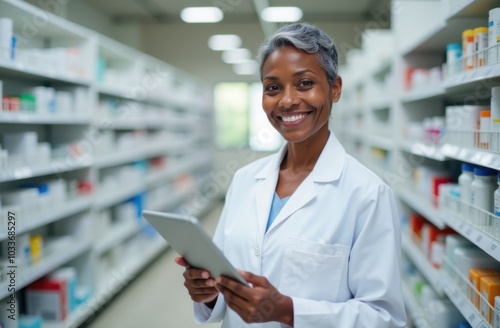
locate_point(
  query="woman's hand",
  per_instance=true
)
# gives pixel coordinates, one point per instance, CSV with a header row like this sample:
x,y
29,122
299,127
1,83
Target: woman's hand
x,y
200,285
262,303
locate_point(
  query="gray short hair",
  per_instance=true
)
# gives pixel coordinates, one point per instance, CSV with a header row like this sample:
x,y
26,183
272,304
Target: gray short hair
x,y
307,38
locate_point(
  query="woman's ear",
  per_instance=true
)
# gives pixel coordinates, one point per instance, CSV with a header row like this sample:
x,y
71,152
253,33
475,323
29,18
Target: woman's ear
x,y
336,89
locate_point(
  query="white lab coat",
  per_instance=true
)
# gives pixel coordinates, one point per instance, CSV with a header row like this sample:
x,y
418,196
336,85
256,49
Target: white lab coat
x,y
334,247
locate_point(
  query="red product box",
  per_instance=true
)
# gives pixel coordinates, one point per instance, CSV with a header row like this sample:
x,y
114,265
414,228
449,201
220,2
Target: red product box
x,y
416,223
435,182
47,297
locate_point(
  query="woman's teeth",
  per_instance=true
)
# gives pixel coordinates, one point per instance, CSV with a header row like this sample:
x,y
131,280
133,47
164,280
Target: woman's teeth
x,y
293,118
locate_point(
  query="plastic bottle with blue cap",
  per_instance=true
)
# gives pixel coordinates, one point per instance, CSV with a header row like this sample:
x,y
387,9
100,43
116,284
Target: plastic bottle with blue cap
x,y
453,58
482,188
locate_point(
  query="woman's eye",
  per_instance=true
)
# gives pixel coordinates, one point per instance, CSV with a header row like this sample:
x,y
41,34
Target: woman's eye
x,y
272,87
305,83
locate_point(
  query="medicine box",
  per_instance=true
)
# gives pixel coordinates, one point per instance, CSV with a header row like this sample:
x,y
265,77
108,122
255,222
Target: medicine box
x,y
475,276
489,288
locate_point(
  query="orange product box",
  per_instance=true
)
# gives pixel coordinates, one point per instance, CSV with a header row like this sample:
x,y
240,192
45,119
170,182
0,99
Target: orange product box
x,y
475,276
489,288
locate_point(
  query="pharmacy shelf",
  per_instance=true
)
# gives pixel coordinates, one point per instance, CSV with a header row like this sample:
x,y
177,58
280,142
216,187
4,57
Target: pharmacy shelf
x,y
71,207
104,199
417,256
134,93
468,80
55,119
483,240
118,92
384,103
158,178
25,72
178,196
353,135
380,142
416,313
469,311
46,265
421,149
474,156
468,8
444,32
48,169
423,94
422,205
117,235
132,124
124,157
117,280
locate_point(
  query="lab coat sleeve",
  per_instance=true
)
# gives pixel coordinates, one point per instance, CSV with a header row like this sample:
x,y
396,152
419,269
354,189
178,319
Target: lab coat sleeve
x,y
202,313
373,274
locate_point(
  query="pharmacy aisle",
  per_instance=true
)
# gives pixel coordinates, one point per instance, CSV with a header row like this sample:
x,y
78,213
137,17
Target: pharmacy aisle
x,y
157,298
435,141
91,133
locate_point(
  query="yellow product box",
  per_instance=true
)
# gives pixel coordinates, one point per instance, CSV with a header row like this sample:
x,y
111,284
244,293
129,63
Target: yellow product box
x,y
489,288
475,276
36,248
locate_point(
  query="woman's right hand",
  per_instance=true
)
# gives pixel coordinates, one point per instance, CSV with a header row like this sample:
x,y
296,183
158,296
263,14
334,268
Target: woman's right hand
x,y
200,285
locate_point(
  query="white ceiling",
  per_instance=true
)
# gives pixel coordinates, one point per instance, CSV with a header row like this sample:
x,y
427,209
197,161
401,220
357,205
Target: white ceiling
x,y
183,45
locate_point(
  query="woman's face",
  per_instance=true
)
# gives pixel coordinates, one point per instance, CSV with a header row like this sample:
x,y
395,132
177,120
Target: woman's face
x,y
297,95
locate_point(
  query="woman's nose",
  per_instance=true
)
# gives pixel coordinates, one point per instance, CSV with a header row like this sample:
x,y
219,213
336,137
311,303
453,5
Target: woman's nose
x,y
289,98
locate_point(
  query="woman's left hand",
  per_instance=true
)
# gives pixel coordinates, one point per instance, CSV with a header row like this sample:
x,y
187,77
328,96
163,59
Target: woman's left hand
x,y
260,303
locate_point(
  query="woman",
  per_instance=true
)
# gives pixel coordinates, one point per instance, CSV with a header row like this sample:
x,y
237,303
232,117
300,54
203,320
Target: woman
x,y
316,233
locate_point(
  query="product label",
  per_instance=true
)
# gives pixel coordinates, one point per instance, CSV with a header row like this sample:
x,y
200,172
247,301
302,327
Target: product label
x,y
484,305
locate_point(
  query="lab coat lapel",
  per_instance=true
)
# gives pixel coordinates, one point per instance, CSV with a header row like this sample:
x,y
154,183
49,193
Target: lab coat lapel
x,y
327,169
265,187
303,195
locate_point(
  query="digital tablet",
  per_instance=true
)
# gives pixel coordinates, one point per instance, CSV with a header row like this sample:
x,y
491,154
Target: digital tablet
x,y
187,237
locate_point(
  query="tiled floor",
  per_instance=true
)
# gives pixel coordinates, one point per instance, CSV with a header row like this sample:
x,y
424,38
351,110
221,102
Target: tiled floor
x,y
157,298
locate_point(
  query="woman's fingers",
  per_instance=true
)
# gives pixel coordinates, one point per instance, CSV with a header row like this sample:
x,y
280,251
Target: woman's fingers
x,y
181,261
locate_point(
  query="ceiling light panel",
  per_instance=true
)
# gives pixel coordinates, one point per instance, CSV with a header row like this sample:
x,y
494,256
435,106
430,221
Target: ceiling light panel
x,y
281,14
202,15
221,42
236,56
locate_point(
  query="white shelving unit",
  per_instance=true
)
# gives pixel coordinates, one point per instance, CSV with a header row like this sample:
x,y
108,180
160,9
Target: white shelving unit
x,y
417,256
418,43
121,104
421,204
415,311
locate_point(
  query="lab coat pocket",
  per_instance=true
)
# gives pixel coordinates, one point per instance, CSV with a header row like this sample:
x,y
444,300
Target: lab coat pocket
x,y
314,273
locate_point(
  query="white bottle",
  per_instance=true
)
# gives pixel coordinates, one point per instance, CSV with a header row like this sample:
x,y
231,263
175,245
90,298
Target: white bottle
x,y
464,181
482,189
496,211
495,119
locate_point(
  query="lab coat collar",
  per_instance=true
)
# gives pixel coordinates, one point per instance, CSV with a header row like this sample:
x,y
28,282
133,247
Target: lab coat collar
x,y
327,169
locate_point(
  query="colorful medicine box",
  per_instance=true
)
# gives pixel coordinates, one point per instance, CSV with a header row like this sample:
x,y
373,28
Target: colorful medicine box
x,y
489,288
475,276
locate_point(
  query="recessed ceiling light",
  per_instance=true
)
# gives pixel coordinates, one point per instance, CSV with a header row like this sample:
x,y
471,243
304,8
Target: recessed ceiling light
x,y
201,15
224,42
281,14
246,68
236,56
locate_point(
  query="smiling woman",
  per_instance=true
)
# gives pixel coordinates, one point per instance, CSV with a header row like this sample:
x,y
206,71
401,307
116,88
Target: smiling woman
x,y
306,226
